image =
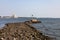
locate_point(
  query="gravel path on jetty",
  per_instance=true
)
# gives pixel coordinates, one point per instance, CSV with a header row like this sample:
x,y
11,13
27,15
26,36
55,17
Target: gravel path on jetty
x,y
21,31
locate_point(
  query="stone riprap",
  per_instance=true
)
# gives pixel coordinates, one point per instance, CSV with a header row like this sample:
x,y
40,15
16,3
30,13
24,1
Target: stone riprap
x,y
21,31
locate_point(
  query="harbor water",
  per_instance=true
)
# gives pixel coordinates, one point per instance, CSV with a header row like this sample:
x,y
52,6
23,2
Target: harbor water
x,y
49,26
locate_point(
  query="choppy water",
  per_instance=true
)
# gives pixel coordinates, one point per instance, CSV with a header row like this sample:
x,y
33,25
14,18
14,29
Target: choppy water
x,y
49,26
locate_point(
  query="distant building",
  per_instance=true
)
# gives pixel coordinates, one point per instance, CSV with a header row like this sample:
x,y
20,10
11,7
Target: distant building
x,y
14,16
6,17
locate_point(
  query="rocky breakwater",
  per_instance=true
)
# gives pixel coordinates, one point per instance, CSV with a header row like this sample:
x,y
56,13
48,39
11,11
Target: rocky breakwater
x,y
21,31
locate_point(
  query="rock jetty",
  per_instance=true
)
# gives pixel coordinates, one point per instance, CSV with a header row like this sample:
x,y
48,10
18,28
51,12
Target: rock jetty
x,y
21,31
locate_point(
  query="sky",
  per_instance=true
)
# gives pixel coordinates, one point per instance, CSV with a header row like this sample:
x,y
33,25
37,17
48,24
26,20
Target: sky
x,y
25,8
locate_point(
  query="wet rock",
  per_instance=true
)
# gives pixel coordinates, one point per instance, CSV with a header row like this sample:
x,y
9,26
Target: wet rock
x,y
21,31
